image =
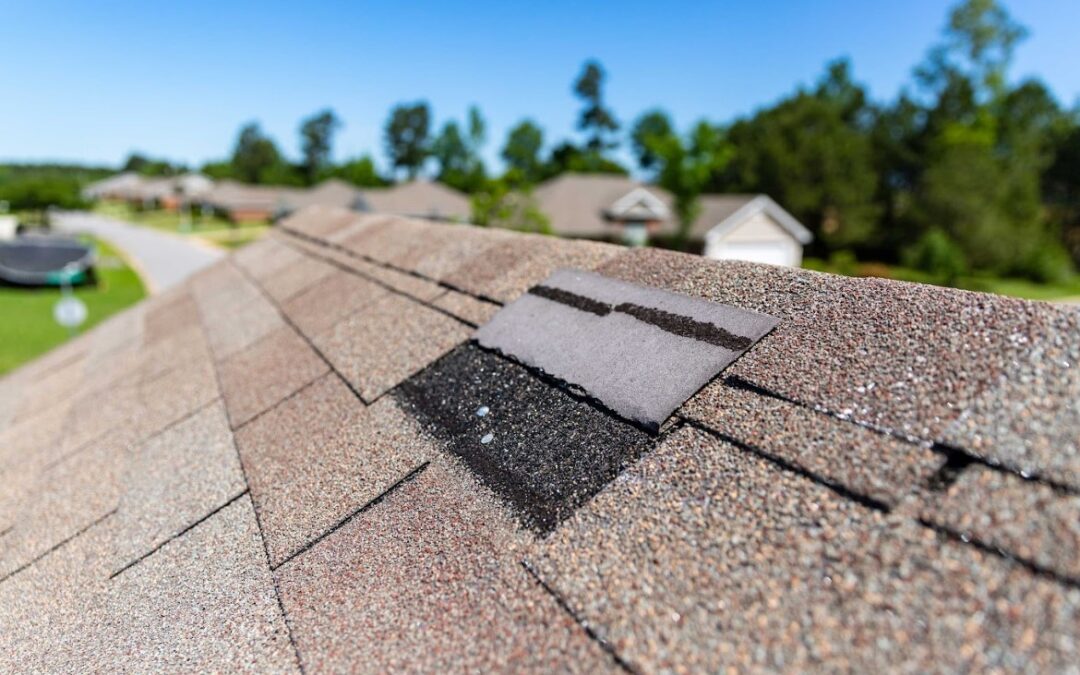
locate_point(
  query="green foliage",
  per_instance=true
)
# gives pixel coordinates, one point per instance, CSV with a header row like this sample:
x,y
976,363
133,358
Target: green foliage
x,y
811,152
458,154
1049,263
359,171
683,166
406,137
317,141
220,170
500,205
649,127
36,193
936,253
256,158
596,120
522,152
142,164
568,157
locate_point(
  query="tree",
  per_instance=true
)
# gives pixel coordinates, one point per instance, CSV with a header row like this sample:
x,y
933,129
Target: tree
x,y
135,162
522,151
145,166
980,38
499,205
811,152
984,148
359,171
650,126
458,154
596,120
316,142
218,170
255,155
683,166
568,157
406,137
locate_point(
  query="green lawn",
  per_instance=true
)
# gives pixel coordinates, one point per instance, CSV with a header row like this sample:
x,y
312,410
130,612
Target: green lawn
x,y
28,328
1017,288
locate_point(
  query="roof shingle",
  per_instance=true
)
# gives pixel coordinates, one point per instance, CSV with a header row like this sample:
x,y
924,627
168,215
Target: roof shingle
x,y
887,481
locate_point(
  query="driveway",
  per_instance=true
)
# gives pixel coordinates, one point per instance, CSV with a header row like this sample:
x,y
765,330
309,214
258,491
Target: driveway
x,y
162,260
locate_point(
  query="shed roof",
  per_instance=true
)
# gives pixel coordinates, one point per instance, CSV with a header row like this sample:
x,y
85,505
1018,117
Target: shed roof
x,y
279,464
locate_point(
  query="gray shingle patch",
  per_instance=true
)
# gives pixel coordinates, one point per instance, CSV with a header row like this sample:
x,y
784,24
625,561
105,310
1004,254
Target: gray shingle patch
x,y
537,447
640,351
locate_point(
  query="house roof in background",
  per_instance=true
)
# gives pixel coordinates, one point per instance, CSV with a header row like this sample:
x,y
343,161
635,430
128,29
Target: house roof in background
x,y
576,203
283,462
583,205
331,192
236,196
418,198
721,214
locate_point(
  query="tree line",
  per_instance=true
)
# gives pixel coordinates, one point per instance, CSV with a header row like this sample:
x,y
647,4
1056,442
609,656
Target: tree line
x,y
963,171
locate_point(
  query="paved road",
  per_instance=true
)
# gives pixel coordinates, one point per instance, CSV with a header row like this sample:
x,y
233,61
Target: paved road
x,y
163,259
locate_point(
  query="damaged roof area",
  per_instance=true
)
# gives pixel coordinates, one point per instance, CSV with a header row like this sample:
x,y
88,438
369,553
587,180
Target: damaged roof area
x,y
302,460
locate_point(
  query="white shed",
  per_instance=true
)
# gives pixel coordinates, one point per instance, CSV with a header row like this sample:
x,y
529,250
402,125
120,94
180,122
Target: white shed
x,y
758,230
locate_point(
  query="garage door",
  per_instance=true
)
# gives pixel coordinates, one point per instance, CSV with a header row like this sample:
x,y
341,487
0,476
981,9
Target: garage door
x,y
770,252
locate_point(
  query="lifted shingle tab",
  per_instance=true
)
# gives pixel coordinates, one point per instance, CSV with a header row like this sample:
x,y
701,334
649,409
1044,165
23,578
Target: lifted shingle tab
x,y
640,351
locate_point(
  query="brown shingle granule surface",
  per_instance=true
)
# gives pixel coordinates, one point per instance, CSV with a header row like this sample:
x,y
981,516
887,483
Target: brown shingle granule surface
x,y
234,313
174,479
407,284
466,307
775,572
357,346
321,455
886,482
297,278
317,309
884,469
914,359
511,267
320,222
270,370
428,581
1029,521
61,503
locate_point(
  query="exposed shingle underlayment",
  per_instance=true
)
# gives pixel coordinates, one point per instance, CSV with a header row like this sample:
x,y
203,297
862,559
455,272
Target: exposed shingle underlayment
x,y
297,460
540,449
640,351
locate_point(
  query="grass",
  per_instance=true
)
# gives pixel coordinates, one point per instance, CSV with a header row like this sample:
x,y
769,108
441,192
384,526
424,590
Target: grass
x,y
211,229
1017,288
28,329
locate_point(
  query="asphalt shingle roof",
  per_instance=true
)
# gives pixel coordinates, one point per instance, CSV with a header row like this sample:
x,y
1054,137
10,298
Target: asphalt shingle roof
x,y
299,459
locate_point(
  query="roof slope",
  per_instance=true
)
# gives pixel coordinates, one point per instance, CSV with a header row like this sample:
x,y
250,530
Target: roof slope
x,y
280,464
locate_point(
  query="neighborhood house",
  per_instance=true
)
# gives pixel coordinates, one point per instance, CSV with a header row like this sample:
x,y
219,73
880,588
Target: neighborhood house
x,y
617,208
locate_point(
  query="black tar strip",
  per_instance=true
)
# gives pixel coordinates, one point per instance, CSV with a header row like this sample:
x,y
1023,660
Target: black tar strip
x,y
676,324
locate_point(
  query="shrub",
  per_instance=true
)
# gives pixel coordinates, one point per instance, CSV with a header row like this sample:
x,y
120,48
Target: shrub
x,y
1048,263
843,262
936,253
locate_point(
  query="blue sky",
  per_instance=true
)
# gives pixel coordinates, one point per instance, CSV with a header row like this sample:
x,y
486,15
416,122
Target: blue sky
x,y
93,81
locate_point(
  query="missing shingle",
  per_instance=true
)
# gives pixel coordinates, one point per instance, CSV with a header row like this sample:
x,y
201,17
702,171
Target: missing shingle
x,y
547,452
